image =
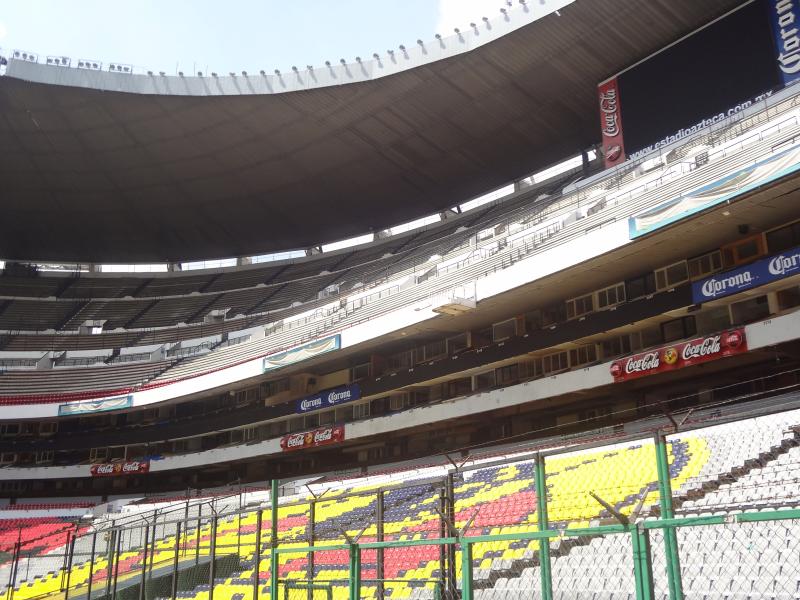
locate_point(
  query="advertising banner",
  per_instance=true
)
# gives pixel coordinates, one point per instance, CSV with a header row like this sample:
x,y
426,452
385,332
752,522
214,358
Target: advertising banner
x,y
613,145
93,406
135,467
678,356
784,17
308,439
727,188
328,398
304,352
750,276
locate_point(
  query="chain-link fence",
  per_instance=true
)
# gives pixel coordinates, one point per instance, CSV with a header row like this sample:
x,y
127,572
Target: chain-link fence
x,y
712,513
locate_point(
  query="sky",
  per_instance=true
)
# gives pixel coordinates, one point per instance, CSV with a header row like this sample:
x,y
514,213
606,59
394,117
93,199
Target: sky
x,y
224,36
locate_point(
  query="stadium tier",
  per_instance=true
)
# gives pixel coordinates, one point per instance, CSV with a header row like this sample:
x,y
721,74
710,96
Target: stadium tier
x,y
708,465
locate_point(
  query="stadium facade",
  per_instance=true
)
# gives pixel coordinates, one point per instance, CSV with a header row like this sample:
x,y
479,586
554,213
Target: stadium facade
x,y
585,386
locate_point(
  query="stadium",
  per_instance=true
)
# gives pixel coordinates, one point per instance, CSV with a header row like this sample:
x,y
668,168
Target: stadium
x,y
510,312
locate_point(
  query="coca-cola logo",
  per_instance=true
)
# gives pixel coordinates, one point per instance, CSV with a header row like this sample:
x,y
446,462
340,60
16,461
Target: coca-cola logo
x,y
126,468
733,339
609,108
324,435
706,347
613,152
674,357
644,362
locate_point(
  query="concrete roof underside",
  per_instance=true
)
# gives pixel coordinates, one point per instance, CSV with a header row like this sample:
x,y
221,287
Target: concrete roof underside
x,y
99,176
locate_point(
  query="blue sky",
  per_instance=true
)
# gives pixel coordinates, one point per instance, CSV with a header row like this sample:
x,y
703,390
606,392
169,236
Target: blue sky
x,y
205,35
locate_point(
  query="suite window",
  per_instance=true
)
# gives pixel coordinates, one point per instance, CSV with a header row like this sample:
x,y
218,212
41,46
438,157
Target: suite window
x,y
640,286
678,329
706,264
360,372
360,411
505,330
784,238
673,275
583,355
752,309
788,298
617,346
484,381
611,296
579,306
742,251
507,375
552,363
457,343
554,314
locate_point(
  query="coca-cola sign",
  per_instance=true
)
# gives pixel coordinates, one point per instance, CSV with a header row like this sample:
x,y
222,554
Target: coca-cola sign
x,y
318,437
679,355
613,147
134,467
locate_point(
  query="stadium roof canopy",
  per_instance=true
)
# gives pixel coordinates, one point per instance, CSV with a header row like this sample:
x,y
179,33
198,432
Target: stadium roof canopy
x,y
118,167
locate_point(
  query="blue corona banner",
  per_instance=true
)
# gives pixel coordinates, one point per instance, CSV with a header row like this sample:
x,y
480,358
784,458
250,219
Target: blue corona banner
x,y
328,398
753,275
785,19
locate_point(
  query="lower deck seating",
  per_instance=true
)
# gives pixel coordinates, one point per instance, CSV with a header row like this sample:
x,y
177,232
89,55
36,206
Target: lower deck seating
x,y
502,498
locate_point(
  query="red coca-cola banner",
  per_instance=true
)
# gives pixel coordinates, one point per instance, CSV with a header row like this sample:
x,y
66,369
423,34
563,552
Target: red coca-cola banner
x,y
680,355
613,144
134,467
309,439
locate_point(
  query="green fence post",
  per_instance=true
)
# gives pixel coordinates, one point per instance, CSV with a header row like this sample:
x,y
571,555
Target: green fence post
x,y
355,572
466,569
544,543
273,555
665,501
642,565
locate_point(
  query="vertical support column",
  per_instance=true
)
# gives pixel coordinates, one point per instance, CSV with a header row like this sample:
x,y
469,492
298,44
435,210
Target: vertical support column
x,y
379,534
312,511
15,567
665,502
466,570
197,533
115,571
443,532
153,544
112,542
144,561
212,570
64,564
257,553
355,572
273,563
175,561
544,543
69,565
91,567
642,565
450,498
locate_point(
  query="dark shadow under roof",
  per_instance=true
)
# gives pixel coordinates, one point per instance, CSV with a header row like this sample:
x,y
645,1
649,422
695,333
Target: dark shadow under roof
x,y
98,176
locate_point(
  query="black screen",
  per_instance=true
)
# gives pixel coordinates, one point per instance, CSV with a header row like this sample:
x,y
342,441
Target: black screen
x,y
713,70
